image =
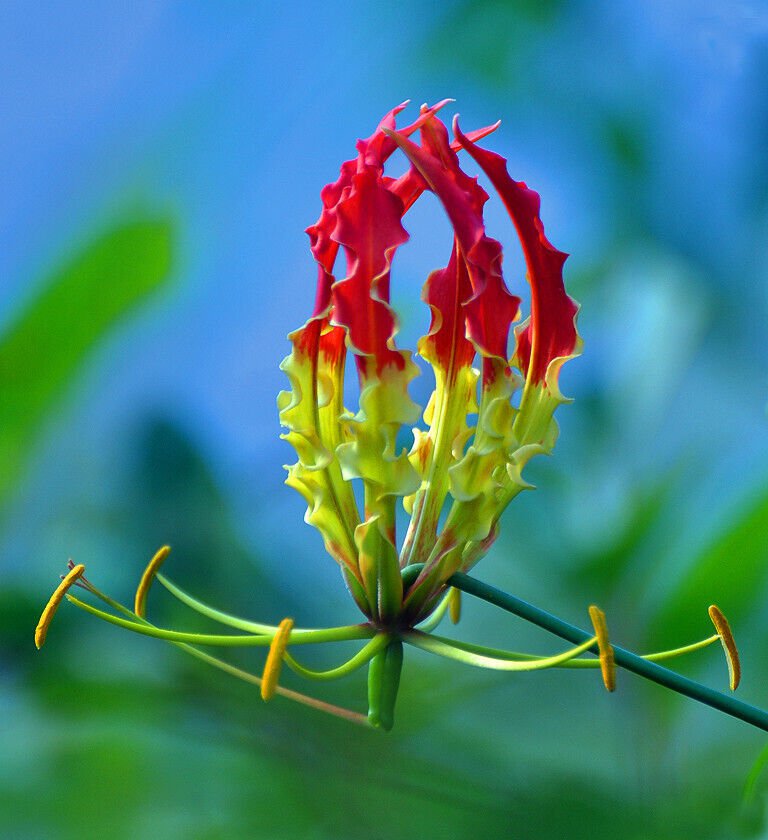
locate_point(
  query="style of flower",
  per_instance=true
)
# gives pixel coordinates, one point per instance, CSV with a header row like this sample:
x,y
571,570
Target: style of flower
x,y
490,412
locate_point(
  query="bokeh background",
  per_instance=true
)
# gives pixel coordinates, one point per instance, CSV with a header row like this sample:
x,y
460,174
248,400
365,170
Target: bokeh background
x,y
160,161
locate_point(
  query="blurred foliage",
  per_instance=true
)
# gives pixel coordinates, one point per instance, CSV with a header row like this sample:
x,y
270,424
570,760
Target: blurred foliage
x,y
65,319
492,35
172,497
731,571
603,568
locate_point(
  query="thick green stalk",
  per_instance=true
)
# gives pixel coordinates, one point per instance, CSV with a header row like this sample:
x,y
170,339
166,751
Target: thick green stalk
x,y
624,658
383,684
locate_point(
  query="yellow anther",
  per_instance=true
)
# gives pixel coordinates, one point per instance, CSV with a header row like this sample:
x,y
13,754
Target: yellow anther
x,y
729,645
454,605
605,648
41,631
140,602
275,659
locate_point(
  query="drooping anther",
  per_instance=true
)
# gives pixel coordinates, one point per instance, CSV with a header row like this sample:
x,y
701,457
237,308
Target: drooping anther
x,y
454,605
605,648
729,645
274,661
140,602
41,631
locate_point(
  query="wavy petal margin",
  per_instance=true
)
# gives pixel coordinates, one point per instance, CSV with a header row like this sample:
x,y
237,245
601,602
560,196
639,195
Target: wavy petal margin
x,y
551,332
492,308
334,446
476,469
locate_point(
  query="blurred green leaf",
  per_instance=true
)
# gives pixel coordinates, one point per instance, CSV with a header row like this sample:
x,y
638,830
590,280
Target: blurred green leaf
x,y
172,497
626,140
484,36
603,570
600,571
45,347
730,572
753,777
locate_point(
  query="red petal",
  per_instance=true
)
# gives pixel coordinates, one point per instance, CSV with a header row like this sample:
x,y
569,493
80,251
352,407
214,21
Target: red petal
x,y
411,185
445,291
552,331
377,149
368,226
373,152
491,309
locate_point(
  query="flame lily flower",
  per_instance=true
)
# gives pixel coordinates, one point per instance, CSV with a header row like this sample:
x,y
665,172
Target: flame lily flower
x,y
467,460
473,470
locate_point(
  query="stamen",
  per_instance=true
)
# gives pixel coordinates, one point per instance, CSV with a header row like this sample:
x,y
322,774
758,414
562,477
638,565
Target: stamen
x,y
140,603
275,659
300,636
82,582
729,645
447,648
605,648
362,657
41,631
217,615
454,605
429,624
499,653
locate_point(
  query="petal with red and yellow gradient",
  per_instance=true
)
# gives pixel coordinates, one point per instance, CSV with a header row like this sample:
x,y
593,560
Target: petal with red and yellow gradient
x,y
549,339
488,314
450,353
312,409
369,229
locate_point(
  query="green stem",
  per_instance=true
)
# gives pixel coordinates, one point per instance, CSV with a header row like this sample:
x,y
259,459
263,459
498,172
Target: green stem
x,y
383,684
298,637
363,656
624,658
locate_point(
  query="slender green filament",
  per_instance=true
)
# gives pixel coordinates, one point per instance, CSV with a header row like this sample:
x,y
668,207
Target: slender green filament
x,y
217,615
378,641
298,637
433,645
305,700
362,657
499,653
240,673
430,623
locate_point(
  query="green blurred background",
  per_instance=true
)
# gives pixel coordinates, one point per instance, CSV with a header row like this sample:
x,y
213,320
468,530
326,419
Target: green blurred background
x,y
161,160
